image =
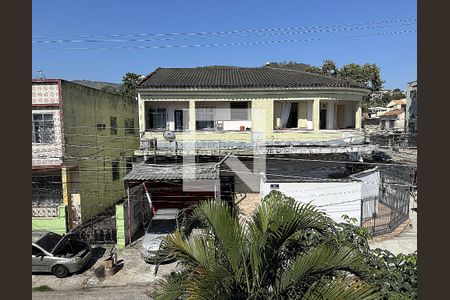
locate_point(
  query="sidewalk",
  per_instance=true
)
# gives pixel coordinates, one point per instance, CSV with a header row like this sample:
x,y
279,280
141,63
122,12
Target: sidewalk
x,y
406,242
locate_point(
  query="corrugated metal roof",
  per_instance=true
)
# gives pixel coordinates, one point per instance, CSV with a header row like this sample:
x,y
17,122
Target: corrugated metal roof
x,y
141,172
240,77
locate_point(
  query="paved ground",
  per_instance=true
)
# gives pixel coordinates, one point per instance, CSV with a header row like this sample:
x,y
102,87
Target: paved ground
x,y
132,271
406,242
125,292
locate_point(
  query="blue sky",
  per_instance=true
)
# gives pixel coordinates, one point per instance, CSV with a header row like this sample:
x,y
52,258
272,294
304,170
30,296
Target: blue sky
x,y
396,54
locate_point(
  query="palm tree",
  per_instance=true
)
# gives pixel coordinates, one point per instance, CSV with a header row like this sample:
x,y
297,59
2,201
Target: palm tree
x,y
285,250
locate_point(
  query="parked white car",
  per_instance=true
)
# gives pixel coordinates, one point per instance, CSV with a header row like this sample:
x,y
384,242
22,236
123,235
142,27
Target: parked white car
x,y
163,223
57,254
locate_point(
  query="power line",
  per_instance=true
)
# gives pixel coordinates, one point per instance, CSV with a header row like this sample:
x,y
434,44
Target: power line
x,y
230,44
229,32
222,36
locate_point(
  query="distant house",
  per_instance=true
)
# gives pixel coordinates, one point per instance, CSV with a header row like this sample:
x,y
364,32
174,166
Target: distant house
x,y
397,104
393,120
411,106
375,112
82,146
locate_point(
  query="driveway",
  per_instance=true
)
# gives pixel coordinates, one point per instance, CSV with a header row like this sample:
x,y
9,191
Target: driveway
x,y
132,271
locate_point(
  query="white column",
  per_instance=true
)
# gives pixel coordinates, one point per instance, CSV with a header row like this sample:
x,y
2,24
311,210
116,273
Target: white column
x,y
192,115
316,115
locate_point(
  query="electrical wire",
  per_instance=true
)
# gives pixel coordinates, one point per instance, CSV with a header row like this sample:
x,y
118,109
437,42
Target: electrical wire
x,y
203,33
230,44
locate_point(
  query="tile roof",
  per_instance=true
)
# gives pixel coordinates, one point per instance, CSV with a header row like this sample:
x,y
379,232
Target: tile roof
x,y
240,77
397,102
144,171
394,112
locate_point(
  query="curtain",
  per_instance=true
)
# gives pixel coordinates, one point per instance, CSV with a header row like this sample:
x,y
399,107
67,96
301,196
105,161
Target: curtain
x,y
285,112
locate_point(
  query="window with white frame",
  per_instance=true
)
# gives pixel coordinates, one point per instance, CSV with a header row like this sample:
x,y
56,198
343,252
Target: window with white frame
x,y
43,131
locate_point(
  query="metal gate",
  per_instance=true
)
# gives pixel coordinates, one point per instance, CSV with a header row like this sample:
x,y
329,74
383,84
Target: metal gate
x,y
397,185
100,229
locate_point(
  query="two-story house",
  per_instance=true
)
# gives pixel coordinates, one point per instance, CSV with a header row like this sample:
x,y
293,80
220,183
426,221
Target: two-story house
x,y
214,111
394,119
82,145
225,107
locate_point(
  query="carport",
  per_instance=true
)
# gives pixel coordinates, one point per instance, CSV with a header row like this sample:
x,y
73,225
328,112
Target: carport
x,y
153,186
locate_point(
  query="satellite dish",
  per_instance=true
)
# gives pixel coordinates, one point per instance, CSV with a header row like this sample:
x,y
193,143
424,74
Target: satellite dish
x,y
347,137
169,136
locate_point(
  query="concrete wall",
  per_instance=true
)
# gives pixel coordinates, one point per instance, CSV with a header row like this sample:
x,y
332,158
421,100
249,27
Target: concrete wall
x,y
45,93
336,198
55,224
89,151
370,188
45,100
121,227
48,154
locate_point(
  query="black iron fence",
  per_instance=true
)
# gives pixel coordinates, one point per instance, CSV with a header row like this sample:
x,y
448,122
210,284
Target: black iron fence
x,y
99,230
398,184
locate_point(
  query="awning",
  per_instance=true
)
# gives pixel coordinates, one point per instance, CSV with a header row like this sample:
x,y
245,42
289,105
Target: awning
x,y
154,172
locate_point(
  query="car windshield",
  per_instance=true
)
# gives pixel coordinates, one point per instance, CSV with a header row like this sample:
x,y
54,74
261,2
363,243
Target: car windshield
x,y
49,241
162,226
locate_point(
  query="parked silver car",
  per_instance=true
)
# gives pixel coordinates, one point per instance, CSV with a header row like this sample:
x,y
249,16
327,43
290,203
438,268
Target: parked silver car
x,y
163,223
57,254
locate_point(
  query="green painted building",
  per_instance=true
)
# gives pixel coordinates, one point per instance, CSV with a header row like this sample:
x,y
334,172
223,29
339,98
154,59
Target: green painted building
x,y
82,146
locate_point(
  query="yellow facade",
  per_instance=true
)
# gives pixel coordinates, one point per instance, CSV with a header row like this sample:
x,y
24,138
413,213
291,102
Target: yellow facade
x,y
263,114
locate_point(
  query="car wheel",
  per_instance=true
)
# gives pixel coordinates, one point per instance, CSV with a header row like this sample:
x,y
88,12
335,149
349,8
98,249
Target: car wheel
x,y
60,271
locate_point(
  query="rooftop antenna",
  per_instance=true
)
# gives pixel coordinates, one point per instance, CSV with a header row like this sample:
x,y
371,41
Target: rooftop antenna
x,y
41,74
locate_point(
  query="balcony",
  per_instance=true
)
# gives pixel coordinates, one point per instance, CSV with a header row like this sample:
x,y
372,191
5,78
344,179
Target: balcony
x,y
325,115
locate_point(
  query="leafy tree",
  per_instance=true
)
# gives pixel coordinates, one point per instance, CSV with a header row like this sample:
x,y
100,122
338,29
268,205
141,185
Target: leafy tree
x,y
129,85
329,67
286,250
395,275
110,89
367,73
397,94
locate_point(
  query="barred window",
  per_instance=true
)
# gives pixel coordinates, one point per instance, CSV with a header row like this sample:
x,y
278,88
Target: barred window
x,y
129,164
129,126
113,123
43,131
157,119
115,170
